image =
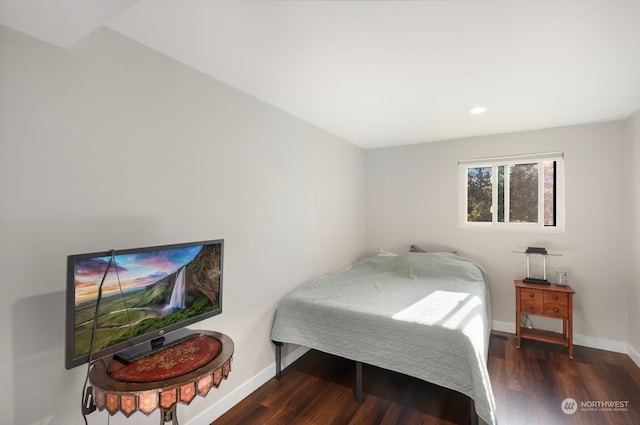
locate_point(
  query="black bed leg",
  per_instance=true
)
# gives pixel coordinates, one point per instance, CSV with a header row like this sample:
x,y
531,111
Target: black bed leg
x,y
472,413
359,382
278,358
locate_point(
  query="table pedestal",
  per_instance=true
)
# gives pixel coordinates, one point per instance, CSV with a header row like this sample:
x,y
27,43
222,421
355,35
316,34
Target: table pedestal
x,y
169,416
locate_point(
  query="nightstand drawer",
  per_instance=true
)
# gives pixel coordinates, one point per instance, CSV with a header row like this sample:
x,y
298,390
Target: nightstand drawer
x,y
531,296
556,298
531,307
557,310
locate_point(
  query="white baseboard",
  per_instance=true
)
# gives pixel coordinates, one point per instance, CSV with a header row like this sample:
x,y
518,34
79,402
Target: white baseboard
x,y
585,341
227,402
601,343
503,327
635,356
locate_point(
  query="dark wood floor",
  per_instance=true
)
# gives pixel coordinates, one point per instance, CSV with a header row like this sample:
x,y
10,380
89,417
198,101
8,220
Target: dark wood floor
x,y
529,386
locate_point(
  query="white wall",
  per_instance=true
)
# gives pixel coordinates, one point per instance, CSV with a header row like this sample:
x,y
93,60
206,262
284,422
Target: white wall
x,y
111,145
632,224
412,198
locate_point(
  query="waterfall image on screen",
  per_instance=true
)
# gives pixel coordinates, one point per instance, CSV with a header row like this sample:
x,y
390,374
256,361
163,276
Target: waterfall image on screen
x,y
177,296
143,292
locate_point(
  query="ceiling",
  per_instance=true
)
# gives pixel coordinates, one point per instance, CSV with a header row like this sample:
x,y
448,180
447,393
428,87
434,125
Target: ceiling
x,y
383,73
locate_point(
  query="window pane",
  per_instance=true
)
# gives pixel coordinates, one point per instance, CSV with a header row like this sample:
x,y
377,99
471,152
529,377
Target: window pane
x,y
514,192
501,193
523,193
479,194
549,193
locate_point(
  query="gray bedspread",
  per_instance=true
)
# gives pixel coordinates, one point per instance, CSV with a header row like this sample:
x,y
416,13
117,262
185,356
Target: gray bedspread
x,y
426,315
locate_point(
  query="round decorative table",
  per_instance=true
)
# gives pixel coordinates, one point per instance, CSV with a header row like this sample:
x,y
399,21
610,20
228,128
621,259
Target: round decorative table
x,y
163,379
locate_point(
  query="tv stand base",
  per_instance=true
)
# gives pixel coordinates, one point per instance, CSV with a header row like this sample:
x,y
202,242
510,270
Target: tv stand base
x,y
142,350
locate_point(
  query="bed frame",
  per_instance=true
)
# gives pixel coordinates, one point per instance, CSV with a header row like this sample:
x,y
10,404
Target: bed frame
x,y
358,385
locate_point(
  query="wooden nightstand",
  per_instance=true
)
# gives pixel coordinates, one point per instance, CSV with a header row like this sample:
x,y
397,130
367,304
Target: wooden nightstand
x,y
553,301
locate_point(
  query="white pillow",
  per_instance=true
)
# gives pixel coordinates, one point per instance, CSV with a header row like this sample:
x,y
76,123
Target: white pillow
x,y
384,253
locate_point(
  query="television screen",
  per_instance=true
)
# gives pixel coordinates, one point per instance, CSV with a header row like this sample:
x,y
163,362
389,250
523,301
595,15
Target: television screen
x,y
146,293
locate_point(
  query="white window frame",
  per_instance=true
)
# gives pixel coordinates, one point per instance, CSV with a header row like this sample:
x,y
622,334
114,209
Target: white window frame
x,y
494,163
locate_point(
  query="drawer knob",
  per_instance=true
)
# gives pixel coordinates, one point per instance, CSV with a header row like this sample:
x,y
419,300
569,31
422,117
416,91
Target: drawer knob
x,y
531,307
531,294
555,297
556,310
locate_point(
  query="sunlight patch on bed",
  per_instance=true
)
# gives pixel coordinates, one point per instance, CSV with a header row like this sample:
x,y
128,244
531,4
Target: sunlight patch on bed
x,y
448,309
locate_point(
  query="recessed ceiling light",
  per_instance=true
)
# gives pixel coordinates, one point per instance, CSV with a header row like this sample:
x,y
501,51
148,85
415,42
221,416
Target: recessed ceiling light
x,y
478,110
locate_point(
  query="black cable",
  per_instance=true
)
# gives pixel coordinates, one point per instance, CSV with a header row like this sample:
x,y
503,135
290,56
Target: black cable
x,y
124,297
86,395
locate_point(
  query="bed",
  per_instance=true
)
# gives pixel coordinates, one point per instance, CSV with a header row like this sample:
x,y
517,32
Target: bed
x,y
426,315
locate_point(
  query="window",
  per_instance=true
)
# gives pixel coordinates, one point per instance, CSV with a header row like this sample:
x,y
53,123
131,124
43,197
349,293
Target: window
x,y
515,192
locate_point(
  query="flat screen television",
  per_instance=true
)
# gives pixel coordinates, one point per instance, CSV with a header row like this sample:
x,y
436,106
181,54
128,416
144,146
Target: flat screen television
x,y
148,296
